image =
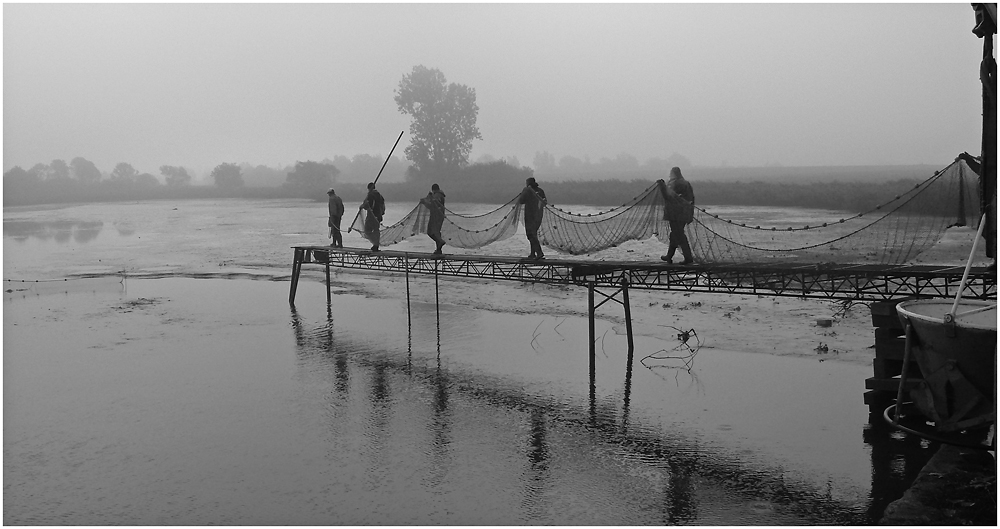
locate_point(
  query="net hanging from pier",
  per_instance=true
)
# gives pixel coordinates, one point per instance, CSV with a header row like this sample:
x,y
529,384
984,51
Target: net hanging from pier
x,y
460,231
894,232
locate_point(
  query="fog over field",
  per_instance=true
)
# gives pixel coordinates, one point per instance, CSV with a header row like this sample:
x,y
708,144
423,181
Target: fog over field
x,y
712,85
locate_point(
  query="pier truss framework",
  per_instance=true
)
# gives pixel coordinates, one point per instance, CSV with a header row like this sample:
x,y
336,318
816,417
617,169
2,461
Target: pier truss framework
x,y
825,281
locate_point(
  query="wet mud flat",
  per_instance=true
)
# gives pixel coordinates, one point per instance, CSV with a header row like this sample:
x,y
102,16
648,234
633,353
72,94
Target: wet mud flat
x,y
193,401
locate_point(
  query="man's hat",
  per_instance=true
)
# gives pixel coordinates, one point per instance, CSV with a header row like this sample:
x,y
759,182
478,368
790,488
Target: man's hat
x,y
330,192
371,185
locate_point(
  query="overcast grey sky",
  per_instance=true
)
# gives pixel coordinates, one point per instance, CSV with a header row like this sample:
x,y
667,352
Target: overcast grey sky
x,y
722,84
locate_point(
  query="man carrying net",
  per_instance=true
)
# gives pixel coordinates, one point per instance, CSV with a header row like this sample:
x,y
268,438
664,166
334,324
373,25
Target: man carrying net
x,y
434,201
534,202
679,212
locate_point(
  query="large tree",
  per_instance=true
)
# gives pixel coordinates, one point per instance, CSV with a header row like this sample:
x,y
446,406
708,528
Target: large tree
x,y
59,171
444,119
227,175
124,173
175,175
85,170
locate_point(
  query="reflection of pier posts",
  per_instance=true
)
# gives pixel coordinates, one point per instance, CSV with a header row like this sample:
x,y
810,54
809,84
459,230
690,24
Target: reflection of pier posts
x,y
437,306
593,352
896,459
328,294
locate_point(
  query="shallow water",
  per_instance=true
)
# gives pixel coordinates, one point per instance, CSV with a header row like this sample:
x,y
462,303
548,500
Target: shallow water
x,y
208,401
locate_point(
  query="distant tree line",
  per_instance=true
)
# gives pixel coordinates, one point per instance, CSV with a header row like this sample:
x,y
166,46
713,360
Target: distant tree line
x,y
489,183
546,164
443,126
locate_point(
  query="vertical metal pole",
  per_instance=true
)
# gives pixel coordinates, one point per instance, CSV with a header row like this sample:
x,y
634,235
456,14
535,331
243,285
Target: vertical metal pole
x,y
328,298
296,267
408,323
628,321
590,313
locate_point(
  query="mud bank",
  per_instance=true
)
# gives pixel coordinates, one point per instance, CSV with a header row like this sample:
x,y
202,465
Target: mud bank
x,y
958,486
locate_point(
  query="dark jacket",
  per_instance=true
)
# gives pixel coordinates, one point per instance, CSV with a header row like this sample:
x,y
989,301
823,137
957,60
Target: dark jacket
x,y
375,203
679,197
534,202
336,206
435,203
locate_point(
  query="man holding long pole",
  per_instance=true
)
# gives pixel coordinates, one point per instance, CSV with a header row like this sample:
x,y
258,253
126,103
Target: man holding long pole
x,y
374,206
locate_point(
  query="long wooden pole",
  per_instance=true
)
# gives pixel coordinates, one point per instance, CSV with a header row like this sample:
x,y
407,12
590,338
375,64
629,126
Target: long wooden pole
x,y
349,228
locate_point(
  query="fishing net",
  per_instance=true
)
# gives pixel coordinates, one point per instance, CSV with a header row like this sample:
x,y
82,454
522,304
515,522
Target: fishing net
x,y
459,230
892,232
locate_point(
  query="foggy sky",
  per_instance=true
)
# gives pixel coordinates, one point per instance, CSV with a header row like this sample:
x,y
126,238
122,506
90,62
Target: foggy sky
x,y
722,84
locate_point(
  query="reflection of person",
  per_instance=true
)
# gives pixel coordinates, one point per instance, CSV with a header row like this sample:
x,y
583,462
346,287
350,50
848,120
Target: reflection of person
x,y
679,212
336,206
375,205
435,203
534,202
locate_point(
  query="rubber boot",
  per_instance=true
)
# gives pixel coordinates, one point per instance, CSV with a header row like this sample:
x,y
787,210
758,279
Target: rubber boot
x,y
670,254
536,249
686,249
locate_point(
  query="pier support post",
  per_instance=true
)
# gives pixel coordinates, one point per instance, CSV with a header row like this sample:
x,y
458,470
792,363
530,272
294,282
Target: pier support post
x,y
628,321
329,299
590,314
296,268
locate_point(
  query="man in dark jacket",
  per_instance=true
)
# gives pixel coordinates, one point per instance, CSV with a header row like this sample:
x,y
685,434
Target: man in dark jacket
x,y
534,202
679,212
336,206
435,203
374,206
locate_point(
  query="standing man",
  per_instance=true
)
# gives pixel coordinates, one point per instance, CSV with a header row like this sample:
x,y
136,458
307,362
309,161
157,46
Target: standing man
x,y
534,202
435,203
374,205
679,212
336,206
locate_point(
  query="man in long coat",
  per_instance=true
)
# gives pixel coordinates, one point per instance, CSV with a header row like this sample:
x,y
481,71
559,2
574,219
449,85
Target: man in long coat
x,y
374,205
679,212
435,203
336,206
534,202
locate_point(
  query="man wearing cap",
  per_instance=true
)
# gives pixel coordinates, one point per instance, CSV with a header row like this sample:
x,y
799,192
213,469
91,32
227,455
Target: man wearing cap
x,y
375,206
434,201
336,206
534,202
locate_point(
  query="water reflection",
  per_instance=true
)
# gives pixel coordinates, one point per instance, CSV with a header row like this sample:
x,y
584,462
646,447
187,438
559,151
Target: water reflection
x,y
897,458
685,466
440,427
60,231
536,475
680,502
